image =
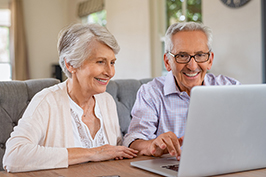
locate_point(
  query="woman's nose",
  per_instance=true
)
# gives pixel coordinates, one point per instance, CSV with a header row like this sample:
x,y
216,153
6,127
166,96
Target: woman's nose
x,y
109,70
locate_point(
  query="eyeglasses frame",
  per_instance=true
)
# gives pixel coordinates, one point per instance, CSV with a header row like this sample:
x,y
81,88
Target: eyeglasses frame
x,y
191,56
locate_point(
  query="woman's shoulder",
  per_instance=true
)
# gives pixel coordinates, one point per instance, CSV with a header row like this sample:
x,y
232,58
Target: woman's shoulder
x,y
47,95
51,90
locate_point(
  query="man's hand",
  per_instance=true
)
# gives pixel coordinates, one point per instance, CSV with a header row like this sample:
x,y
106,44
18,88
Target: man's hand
x,y
166,143
163,144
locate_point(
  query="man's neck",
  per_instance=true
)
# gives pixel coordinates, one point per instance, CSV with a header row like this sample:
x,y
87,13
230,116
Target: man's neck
x,y
188,90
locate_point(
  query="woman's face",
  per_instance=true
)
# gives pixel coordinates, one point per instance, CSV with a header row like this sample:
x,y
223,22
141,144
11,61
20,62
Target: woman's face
x,y
97,70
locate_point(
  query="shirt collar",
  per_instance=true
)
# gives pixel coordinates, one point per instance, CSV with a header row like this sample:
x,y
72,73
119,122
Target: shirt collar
x,y
206,81
170,85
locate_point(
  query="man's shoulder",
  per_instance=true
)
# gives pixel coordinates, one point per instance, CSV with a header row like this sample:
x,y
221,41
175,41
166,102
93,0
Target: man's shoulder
x,y
212,79
156,84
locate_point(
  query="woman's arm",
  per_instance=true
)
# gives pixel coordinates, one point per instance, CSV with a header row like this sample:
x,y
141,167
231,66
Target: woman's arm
x,y
105,152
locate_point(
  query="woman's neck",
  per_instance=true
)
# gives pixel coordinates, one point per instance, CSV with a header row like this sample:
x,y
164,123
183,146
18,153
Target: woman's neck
x,y
82,98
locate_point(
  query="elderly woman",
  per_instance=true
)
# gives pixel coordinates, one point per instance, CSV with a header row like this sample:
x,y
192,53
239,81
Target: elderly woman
x,y
75,121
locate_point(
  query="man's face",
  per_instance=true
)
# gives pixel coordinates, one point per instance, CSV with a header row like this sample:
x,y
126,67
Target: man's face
x,y
192,73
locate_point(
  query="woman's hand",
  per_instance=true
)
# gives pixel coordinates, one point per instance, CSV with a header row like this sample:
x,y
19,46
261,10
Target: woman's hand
x,y
105,152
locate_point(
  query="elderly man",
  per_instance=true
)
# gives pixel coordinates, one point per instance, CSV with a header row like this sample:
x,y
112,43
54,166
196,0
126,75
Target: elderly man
x,y
160,111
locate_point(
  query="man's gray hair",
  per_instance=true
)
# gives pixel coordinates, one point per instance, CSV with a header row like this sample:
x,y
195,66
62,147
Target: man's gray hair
x,y
73,43
186,26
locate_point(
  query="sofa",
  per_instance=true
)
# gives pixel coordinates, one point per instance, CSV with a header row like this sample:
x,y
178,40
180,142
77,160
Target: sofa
x,y
15,96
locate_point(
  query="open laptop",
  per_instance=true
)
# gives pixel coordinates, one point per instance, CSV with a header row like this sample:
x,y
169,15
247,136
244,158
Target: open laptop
x,y
225,132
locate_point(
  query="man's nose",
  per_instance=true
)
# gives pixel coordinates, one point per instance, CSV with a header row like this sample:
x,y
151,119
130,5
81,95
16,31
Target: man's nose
x,y
192,64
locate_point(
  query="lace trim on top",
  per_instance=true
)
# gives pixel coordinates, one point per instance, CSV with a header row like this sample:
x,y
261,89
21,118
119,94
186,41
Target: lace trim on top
x,y
82,136
84,133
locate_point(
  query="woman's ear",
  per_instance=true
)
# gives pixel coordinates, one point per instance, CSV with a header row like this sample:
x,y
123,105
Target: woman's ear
x,y
69,67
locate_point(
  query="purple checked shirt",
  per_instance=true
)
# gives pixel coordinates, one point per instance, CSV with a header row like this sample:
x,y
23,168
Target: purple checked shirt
x,y
160,107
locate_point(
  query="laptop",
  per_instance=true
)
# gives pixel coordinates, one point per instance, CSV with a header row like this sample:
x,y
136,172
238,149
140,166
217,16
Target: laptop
x,y
225,133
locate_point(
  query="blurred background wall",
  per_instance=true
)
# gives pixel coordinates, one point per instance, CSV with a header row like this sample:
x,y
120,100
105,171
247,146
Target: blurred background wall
x,y
139,27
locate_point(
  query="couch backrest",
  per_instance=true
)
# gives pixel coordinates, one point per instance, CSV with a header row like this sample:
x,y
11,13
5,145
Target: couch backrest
x,y
124,94
14,98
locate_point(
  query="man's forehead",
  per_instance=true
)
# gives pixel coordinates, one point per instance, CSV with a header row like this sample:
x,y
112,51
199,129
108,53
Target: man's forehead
x,y
190,41
190,33
189,36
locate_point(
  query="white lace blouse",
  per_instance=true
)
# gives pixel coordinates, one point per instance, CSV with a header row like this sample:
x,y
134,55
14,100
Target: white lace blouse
x,y
82,136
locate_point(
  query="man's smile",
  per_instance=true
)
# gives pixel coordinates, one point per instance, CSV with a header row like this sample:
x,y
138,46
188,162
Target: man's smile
x,y
191,74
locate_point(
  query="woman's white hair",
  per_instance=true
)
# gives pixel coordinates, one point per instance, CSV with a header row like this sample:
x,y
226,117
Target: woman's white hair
x,y
73,43
186,26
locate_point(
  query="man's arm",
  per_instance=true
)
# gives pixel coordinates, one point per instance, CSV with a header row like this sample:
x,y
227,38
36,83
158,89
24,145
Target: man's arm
x,y
142,132
144,122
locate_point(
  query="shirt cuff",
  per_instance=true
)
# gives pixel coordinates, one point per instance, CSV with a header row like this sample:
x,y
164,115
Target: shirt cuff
x,y
129,138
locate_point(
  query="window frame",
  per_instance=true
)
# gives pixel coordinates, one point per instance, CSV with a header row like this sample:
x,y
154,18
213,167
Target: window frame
x,y
9,62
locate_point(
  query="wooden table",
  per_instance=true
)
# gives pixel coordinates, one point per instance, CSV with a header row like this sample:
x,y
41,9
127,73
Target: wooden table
x,y
108,168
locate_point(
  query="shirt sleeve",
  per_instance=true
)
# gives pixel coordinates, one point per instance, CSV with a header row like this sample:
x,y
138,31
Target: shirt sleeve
x,y
144,116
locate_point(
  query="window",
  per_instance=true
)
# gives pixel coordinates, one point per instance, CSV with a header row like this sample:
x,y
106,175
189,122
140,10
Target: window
x,y
183,10
92,11
5,63
97,17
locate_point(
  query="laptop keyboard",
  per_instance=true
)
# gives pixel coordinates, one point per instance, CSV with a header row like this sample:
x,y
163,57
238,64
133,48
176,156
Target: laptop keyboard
x,y
171,167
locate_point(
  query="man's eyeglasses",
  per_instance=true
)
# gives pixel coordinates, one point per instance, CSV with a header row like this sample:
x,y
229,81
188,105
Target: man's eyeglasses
x,y
185,57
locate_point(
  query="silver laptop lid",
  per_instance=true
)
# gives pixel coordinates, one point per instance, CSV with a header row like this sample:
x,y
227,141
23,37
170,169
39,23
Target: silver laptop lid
x,y
225,131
